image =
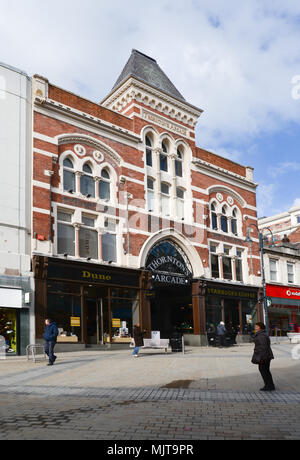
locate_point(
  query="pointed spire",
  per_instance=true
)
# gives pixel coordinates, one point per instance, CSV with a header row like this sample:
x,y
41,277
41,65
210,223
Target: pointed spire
x,y
147,70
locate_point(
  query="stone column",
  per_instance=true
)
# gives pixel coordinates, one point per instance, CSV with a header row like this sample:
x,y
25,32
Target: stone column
x,y
157,185
233,268
173,187
199,313
77,227
97,180
221,273
78,175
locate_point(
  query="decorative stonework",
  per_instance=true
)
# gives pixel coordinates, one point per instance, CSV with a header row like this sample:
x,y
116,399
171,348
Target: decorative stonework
x,y
134,90
219,197
230,200
92,142
98,156
80,150
164,123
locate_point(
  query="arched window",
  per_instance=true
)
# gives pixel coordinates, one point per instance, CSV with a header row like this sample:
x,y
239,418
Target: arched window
x,y
165,199
179,163
180,195
234,228
69,176
150,195
213,217
105,185
87,184
149,159
164,157
224,220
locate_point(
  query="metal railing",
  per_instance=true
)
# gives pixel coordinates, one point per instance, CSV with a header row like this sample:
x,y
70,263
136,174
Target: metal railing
x,y
31,351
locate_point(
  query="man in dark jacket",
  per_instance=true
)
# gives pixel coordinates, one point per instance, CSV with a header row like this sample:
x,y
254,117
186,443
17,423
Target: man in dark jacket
x,y
50,337
263,355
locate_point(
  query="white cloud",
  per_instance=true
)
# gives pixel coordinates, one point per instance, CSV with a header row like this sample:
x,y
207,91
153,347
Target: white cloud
x,y
287,167
296,202
235,61
265,199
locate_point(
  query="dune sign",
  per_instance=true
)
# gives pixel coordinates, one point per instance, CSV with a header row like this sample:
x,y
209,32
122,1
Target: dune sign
x,y
95,276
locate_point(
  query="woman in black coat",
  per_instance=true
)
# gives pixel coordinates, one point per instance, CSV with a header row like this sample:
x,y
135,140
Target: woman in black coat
x,y
263,356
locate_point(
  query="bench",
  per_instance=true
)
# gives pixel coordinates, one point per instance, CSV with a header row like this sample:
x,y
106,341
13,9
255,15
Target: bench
x,y
161,344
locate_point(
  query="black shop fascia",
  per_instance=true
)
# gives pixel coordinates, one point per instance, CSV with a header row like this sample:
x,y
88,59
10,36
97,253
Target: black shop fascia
x,y
92,304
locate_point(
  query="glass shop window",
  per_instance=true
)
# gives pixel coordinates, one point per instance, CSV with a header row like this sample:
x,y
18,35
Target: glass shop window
x,y
65,311
124,314
8,331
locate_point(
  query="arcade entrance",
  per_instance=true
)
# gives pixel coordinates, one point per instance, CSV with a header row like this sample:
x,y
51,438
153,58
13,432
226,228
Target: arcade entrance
x,y
171,309
171,298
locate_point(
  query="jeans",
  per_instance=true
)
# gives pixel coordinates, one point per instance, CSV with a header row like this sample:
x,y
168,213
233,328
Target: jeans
x,y
136,351
49,350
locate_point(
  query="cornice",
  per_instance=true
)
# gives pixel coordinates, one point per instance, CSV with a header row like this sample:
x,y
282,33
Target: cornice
x,y
87,118
223,172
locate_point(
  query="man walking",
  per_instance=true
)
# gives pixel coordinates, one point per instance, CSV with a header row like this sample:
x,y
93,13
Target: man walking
x,y
221,331
263,355
50,337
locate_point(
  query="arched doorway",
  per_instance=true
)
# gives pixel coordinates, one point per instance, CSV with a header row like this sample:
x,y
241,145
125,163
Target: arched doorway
x,y
171,289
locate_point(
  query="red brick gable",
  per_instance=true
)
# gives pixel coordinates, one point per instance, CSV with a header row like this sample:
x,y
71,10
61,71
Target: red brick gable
x,y
79,103
294,237
220,161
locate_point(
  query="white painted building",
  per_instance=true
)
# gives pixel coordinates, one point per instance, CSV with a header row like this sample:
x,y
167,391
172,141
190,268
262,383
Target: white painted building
x,y
286,223
16,282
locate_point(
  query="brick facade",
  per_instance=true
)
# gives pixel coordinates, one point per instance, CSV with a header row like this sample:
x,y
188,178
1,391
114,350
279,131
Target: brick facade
x,y
67,126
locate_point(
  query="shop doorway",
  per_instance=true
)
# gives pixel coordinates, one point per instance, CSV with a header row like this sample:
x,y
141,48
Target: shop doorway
x,y
94,321
231,315
171,309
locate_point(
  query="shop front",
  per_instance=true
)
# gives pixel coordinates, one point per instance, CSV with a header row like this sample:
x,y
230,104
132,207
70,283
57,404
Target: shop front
x,y
284,309
91,304
236,306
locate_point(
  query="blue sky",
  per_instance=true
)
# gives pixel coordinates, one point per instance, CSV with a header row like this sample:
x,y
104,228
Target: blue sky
x,y
239,61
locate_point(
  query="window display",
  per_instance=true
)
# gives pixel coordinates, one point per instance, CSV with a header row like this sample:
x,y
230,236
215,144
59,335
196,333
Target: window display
x,y
124,314
8,330
65,310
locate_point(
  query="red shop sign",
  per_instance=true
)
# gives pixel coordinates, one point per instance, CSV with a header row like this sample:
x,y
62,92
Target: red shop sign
x,y
283,292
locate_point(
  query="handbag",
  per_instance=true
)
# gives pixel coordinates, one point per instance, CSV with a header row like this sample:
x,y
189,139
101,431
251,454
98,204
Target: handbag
x,y
255,359
132,343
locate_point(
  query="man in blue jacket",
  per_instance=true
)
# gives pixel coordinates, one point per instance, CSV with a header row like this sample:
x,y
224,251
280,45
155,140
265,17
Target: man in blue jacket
x,y
221,331
50,337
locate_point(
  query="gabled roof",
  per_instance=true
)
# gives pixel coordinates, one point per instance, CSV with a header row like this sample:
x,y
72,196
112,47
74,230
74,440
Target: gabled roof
x,y
146,69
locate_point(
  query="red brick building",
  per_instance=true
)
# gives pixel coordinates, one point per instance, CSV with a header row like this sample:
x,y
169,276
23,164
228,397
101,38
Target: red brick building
x,y
132,221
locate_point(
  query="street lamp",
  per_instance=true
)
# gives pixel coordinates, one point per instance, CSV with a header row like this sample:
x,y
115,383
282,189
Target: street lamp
x,y
261,249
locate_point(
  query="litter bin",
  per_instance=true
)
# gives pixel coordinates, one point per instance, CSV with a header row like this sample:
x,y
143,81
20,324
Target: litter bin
x,y
176,343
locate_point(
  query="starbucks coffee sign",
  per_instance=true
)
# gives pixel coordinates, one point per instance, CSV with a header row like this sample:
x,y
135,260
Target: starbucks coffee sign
x,y
169,264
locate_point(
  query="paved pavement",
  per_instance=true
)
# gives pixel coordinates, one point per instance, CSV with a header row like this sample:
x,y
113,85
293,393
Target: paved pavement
x,y
205,394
